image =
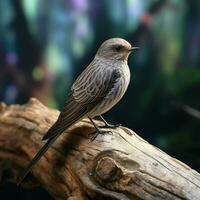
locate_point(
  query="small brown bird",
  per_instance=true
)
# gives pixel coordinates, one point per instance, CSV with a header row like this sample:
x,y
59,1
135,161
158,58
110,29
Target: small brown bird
x,y
97,89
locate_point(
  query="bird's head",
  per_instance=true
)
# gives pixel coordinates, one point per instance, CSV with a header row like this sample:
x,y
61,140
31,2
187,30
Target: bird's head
x,y
115,49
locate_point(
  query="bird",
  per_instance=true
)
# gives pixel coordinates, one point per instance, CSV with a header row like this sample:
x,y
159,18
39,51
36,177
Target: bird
x,y
96,90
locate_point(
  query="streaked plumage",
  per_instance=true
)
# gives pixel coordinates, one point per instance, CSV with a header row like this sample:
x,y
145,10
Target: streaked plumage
x,y
97,89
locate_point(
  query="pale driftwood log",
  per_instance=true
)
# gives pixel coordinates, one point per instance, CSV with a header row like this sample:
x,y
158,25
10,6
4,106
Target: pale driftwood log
x,y
120,165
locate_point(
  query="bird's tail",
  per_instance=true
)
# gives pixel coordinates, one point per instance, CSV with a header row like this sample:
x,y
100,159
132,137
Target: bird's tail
x,y
37,157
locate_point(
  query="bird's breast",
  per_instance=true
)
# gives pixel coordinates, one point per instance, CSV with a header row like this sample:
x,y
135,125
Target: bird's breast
x,y
121,84
116,93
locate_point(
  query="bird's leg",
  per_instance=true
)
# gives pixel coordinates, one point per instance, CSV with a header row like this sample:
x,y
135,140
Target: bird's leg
x,y
107,125
93,136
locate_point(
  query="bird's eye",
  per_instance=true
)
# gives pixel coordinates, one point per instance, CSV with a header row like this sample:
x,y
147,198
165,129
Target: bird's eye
x,y
118,48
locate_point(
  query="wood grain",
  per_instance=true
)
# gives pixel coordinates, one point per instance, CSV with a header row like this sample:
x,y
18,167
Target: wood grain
x,y
119,165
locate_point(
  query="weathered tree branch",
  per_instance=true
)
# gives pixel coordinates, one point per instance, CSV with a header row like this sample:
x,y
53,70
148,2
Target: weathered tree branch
x,y
120,165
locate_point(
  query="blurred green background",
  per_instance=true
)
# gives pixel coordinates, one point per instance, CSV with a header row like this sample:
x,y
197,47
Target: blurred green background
x,y
45,44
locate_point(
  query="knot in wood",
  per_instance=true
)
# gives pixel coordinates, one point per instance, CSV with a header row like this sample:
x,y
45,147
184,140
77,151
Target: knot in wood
x,y
107,170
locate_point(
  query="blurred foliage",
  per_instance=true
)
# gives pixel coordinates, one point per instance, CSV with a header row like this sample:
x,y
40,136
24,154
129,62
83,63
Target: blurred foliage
x,y
191,77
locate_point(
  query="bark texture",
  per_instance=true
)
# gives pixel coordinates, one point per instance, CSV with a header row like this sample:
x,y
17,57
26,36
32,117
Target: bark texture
x,y
119,165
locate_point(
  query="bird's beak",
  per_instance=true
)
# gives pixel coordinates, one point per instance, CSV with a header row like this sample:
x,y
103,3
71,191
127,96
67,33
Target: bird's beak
x,y
133,48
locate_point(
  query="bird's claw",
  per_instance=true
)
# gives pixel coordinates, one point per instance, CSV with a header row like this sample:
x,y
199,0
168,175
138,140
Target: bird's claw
x,y
93,136
110,126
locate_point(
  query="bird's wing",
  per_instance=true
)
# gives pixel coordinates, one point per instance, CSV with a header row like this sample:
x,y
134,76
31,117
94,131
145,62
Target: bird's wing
x,y
95,83
91,87
87,92
71,113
